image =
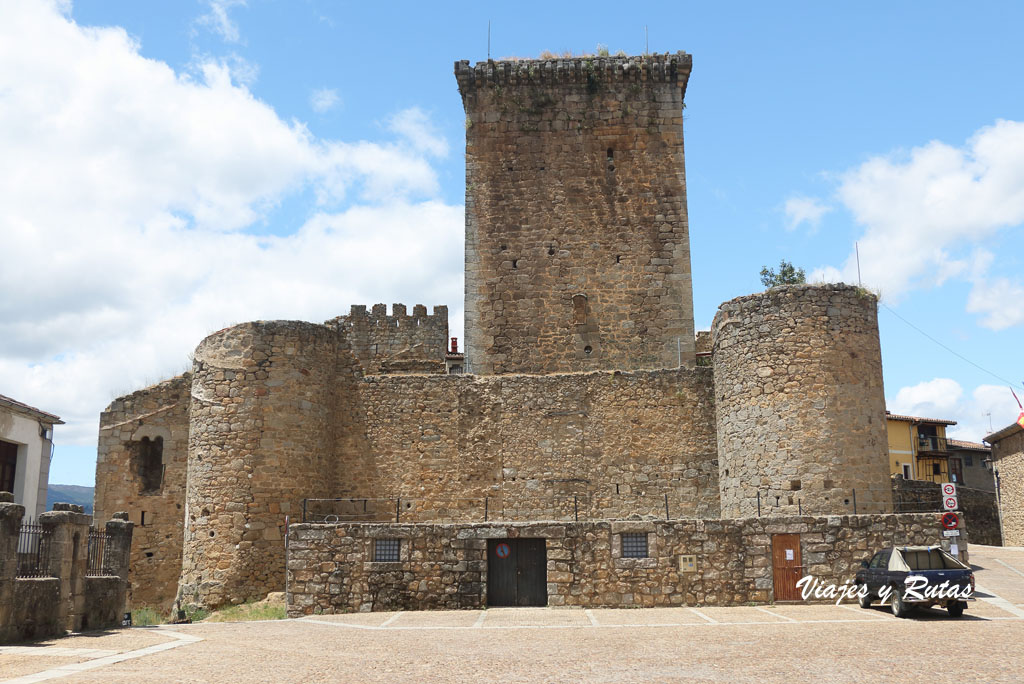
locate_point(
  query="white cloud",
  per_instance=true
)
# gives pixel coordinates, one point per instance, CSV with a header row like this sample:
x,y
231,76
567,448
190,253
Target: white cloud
x,y
323,100
218,20
415,126
800,210
1000,300
985,409
127,191
927,210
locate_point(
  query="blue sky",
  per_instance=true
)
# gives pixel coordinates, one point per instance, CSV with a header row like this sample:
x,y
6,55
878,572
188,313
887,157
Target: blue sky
x,y
173,168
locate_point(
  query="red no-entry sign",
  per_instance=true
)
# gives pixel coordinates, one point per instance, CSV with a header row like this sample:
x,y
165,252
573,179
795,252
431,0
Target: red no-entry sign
x,y
950,521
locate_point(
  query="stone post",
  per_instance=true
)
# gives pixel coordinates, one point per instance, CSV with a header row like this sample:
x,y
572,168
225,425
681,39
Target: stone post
x,y
117,555
10,525
69,555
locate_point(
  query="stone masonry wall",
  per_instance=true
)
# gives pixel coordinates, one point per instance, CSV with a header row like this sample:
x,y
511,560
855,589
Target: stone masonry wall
x,y
262,438
331,568
577,242
160,411
800,403
619,442
398,343
63,597
1008,458
977,506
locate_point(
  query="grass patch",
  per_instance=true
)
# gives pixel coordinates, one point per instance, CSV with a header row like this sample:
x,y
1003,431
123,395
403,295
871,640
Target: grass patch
x,y
195,614
145,617
246,612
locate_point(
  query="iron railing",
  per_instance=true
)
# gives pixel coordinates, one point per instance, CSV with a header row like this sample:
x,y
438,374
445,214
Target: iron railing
x,y
97,548
34,544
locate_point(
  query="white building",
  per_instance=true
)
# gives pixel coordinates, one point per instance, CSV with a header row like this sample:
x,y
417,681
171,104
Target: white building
x,y
26,444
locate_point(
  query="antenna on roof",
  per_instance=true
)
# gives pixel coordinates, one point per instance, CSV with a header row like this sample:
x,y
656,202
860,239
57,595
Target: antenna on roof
x,y
856,248
646,42
488,40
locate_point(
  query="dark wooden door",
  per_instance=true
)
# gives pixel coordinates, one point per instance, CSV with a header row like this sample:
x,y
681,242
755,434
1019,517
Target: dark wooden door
x,y
517,572
787,567
956,470
532,570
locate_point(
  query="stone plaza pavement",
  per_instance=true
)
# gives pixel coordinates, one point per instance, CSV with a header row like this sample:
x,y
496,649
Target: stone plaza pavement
x,y
780,643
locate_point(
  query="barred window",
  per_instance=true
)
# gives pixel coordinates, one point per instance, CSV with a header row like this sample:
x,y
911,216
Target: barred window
x,y
386,550
634,545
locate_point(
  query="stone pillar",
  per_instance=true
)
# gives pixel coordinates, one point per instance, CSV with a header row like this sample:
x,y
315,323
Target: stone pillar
x,y
117,554
799,403
69,555
261,440
11,515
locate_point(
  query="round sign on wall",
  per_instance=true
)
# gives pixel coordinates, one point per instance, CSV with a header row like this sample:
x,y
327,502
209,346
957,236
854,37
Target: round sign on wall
x,y
948,489
502,550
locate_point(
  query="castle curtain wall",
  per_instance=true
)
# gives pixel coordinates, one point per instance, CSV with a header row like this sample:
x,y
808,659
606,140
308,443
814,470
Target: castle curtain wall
x,y
143,441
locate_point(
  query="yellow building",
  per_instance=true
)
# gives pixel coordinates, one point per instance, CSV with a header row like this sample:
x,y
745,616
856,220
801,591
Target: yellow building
x,y
918,449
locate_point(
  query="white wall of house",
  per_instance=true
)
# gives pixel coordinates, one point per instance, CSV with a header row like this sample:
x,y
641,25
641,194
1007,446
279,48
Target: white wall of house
x,y
33,469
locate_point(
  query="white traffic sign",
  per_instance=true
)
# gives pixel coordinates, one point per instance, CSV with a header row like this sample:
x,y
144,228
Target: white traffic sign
x,y
948,489
950,503
950,533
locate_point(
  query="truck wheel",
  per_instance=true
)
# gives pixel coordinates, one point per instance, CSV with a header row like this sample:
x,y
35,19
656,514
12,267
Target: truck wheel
x,y
956,609
899,608
864,601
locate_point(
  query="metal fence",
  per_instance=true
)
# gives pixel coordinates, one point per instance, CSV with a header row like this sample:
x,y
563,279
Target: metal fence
x,y
34,545
559,507
97,548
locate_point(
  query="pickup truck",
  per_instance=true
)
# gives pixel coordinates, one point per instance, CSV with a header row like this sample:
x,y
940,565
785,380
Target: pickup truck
x,y
915,576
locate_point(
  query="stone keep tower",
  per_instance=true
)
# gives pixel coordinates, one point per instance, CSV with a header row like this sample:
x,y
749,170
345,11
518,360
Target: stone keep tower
x,y
577,243
799,402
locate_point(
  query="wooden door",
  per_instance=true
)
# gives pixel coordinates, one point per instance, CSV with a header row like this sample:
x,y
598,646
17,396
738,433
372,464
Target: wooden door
x,y
532,572
787,567
501,572
956,471
517,571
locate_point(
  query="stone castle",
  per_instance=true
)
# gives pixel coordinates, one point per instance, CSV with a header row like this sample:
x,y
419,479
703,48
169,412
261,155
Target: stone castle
x,y
585,395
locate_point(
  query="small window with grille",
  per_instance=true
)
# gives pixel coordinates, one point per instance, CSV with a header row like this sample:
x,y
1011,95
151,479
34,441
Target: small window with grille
x,y
386,550
634,545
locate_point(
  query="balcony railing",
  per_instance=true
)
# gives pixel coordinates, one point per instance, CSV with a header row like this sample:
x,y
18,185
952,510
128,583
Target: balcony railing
x,y
931,443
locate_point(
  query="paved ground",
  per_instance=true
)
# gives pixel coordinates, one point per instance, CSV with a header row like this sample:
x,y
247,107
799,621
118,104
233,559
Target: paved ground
x,y
783,643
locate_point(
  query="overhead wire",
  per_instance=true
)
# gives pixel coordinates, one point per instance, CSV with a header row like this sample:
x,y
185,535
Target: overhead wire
x,y
950,350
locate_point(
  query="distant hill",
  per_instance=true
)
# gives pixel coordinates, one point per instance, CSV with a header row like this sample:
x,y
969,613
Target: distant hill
x,y
73,494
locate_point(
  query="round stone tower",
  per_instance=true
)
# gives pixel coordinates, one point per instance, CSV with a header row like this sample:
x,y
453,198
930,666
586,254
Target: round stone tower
x,y
260,441
800,405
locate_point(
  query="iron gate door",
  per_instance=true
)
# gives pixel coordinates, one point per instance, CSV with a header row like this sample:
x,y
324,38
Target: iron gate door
x,y
786,566
517,572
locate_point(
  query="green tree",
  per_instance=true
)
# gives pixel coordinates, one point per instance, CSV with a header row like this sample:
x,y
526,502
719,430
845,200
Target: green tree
x,y
787,275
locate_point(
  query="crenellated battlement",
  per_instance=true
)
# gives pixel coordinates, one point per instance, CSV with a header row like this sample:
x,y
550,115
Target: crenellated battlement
x,y
672,68
395,343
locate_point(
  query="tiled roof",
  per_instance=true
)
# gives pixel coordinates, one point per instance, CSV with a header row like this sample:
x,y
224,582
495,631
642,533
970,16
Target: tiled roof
x,y
918,419
32,410
962,444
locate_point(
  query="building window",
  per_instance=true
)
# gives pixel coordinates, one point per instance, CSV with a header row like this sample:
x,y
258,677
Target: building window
x,y
8,466
149,462
386,550
579,309
634,545
906,471
936,469
968,460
